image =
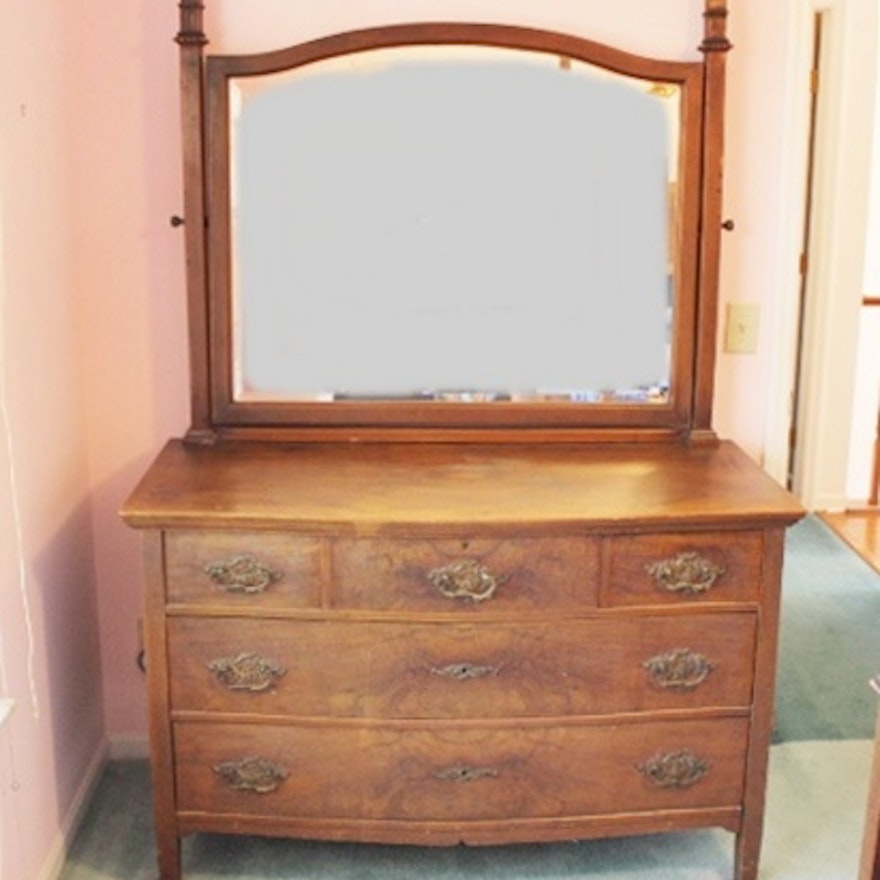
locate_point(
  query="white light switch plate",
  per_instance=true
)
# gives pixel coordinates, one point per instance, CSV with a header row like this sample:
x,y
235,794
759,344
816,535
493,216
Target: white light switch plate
x,y
741,333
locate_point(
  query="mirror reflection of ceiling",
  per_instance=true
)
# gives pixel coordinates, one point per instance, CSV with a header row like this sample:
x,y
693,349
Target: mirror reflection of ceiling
x,y
452,223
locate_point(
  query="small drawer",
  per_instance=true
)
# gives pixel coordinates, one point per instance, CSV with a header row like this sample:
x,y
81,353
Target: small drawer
x,y
468,670
528,574
458,773
262,569
681,568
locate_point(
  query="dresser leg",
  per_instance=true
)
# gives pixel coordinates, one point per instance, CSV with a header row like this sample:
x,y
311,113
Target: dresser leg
x,y
168,855
746,854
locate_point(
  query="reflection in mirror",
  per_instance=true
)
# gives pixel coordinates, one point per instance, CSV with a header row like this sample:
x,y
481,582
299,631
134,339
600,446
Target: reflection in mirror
x,y
452,223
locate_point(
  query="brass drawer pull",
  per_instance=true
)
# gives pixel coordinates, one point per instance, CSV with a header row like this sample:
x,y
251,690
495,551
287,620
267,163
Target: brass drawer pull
x,y
252,774
680,669
242,574
686,573
680,769
464,671
247,671
465,579
466,774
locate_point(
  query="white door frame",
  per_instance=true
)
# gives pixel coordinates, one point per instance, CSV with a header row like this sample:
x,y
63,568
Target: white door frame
x,y
837,245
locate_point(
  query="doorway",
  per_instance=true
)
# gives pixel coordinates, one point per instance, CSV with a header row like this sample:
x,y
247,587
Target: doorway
x,y
822,246
814,81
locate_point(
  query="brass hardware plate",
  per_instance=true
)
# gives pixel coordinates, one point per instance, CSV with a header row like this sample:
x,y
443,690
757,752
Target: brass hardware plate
x,y
680,669
247,671
242,574
466,774
686,573
252,774
465,671
679,769
465,579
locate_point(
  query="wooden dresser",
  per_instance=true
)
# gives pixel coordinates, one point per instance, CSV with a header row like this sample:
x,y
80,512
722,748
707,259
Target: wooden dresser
x,y
451,551
434,644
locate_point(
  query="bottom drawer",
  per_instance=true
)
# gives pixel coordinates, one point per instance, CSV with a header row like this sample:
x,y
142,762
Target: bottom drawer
x,y
458,772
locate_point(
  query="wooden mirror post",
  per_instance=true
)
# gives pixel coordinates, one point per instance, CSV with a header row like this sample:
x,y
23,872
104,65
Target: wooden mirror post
x,y
715,47
192,41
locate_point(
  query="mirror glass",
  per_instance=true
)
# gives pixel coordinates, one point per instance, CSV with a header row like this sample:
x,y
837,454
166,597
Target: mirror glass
x,y
452,223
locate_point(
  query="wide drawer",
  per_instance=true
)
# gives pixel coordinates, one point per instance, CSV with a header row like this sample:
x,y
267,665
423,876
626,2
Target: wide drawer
x,y
262,569
466,574
682,568
333,668
457,773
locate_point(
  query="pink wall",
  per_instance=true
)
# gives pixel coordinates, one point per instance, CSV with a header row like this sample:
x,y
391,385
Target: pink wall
x,y
753,167
49,655
126,184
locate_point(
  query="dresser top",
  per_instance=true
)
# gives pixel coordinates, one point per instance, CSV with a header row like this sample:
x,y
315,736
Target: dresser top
x,y
376,487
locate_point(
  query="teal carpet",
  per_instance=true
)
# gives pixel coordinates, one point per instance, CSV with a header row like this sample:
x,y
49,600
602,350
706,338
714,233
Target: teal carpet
x,y
814,819
829,639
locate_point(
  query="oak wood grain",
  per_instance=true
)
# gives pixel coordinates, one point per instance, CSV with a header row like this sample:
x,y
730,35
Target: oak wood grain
x,y
437,489
462,773
461,670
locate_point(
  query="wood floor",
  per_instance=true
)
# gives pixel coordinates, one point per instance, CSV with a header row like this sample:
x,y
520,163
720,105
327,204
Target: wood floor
x,y
861,530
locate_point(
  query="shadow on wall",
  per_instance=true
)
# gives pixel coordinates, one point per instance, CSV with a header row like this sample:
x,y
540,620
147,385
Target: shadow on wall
x,y
64,576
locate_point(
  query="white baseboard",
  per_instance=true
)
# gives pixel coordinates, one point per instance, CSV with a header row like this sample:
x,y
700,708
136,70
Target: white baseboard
x,y
121,748
54,863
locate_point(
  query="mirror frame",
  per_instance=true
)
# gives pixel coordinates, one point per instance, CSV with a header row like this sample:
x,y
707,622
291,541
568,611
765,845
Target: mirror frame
x,y
215,411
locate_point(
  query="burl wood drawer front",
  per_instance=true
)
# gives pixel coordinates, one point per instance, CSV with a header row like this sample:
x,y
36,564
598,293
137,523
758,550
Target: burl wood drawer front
x,y
682,568
458,773
262,569
450,575
318,668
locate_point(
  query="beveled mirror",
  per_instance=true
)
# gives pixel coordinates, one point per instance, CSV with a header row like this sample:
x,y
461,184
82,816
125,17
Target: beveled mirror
x,y
449,228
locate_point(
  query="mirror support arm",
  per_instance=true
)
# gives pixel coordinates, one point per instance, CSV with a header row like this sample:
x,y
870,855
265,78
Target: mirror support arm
x,y
192,40
715,46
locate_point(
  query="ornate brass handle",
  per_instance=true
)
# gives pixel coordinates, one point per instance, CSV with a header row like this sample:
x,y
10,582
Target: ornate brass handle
x,y
465,579
680,769
466,774
247,671
687,573
252,774
242,574
680,669
464,671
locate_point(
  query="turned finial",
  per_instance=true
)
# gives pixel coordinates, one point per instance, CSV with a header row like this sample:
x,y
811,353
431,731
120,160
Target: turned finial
x,y
715,29
191,31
